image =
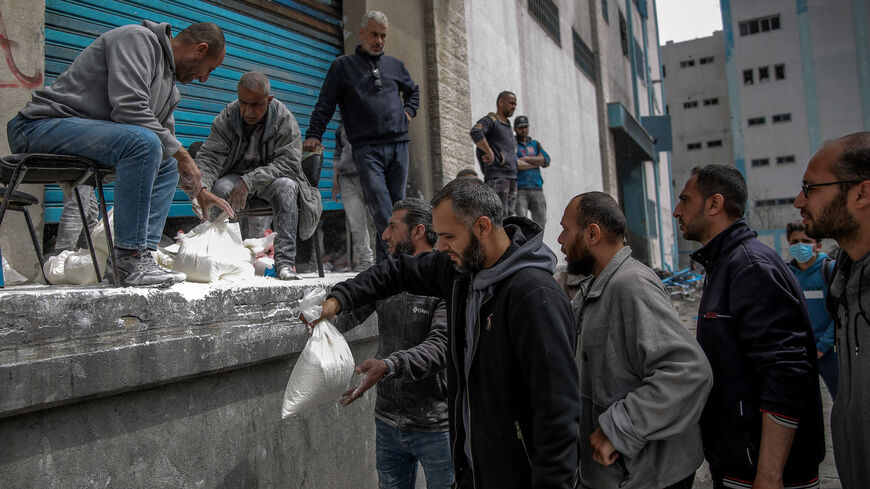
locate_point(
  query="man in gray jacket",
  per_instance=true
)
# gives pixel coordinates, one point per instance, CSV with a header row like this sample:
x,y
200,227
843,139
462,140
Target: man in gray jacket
x,y
643,378
835,203
411,408
114,105
255,149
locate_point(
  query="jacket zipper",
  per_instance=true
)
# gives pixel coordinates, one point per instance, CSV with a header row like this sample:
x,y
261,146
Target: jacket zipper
x,y
467,391
456,404
520,437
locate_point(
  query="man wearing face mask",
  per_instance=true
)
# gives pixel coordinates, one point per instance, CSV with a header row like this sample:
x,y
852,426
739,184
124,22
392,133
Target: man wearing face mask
x,y
813,269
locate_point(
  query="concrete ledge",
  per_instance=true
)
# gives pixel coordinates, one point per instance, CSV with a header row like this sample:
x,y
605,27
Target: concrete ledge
x,y
63,344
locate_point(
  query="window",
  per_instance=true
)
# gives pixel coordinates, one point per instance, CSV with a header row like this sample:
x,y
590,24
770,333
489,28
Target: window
x,y
711,101
623,34
763,74
755,121
762,24
664,73
774,202
747,77
604,12
707,60
686,64
692,146
779,72
639,63
690,105
714,144
546,12
761,162
783,160
781,118
583,56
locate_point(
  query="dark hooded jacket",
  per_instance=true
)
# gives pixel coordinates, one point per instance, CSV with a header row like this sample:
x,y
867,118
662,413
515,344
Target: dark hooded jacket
x,y
522,385
754,327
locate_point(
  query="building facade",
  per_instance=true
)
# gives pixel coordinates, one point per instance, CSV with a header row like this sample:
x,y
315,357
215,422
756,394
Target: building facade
x,y
798,74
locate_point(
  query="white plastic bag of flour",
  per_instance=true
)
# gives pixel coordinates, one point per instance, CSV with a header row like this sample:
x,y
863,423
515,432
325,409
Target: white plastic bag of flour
x,y
214,251
325,366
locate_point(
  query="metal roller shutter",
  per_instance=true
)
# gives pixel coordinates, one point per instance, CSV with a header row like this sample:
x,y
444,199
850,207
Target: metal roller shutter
x,y
292,42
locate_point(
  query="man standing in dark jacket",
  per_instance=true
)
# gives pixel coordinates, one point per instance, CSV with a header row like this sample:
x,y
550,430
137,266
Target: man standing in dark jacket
x,y
411,408
762,425
378,99
835,203
512,383
497,151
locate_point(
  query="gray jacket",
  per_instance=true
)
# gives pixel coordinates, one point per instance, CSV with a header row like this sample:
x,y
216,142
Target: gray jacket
x,y
126,75
281,147
643,378
849,304
343,155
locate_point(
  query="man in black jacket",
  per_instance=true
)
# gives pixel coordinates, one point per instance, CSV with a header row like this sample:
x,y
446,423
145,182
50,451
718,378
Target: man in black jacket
x,y
411,408
762,425
512,382
378,99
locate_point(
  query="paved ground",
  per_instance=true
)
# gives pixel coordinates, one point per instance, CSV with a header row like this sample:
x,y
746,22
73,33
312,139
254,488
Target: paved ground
x,y
688,310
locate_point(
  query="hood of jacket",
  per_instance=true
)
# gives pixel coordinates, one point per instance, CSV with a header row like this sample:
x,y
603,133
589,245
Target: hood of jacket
x,y
723,243
820,258
529,250
163,31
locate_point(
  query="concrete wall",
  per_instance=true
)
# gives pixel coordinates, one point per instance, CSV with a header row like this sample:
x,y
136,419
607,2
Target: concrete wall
x,y
509,50
172,388
23,24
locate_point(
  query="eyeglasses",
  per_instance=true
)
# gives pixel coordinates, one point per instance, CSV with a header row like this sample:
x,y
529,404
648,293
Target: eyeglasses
x,y
376,74
806,188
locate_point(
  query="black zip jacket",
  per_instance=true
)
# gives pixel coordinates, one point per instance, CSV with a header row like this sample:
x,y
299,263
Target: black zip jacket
x,y
370,115
754,327
412,334
523,385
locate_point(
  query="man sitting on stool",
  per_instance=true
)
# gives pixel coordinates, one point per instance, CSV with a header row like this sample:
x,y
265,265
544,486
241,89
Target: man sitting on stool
x,y
255,149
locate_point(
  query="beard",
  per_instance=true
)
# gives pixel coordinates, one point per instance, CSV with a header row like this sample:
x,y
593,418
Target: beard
x,y
405,247
694,229
472,257
583,263
834,221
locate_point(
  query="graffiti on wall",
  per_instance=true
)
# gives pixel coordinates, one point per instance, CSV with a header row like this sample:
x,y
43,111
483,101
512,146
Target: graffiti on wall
x,y
25,81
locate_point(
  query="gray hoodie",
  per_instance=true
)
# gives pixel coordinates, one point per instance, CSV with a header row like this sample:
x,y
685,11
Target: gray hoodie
x,y
849,295
643,379
126,75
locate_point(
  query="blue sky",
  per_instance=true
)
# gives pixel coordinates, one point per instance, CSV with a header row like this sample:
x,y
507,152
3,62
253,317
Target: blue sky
x,y
682,20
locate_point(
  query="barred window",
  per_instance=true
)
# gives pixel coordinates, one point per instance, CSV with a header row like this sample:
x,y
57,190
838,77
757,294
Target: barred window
x,y
583,56
714,144
711,101
690,105
692,146
755,121
623,34
781,118
782,160
639,64
546,12
762,24
761,162
706,60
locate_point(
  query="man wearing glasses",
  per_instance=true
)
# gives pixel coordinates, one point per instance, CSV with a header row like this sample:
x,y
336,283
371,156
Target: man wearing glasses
x,y
762,425
835,203
378,99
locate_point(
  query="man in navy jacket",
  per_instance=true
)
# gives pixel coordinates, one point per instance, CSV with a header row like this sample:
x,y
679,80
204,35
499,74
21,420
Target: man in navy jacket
x,y
378,99
762,425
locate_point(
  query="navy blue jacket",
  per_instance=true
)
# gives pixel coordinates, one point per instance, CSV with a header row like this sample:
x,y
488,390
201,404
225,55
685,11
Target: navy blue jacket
x,y
754,327
370,115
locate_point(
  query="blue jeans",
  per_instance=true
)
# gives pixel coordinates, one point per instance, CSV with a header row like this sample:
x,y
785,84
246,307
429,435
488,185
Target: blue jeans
x,y
398,452
383,173
829,370
282,195
144,182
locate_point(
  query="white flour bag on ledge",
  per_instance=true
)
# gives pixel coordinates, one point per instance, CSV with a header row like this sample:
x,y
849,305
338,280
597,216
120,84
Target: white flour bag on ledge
x,y
325,366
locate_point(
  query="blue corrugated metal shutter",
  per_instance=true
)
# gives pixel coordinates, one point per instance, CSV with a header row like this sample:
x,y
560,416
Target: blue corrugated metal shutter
x,y
292,42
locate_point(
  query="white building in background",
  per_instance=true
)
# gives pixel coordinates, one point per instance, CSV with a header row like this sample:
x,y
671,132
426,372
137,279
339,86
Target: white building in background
x,y
798,74
587,76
